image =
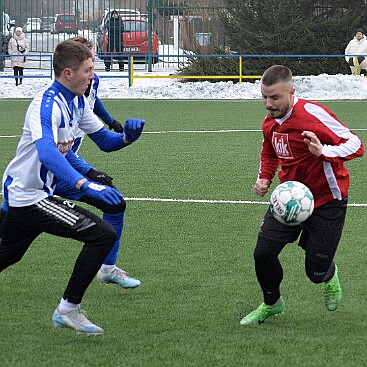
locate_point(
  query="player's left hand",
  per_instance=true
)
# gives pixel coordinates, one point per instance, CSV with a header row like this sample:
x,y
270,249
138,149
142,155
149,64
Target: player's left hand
x,y
100,177
133,129
116,127
313,143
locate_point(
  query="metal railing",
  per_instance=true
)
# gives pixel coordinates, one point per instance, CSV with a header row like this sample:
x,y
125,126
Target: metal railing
x,y
40,61
241,64
44,62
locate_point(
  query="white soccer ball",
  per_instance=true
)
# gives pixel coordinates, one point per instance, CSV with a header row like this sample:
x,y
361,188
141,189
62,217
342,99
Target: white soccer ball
x,y
291,203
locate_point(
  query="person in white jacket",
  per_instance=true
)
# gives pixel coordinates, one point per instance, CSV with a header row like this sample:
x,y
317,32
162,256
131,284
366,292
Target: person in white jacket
x,y
18,47
358,48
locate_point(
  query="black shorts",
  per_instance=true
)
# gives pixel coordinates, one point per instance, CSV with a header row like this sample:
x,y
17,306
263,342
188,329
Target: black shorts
x,y
319,235
21,225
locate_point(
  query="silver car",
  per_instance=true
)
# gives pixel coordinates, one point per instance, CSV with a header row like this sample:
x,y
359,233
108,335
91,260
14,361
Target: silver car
x,y
32,25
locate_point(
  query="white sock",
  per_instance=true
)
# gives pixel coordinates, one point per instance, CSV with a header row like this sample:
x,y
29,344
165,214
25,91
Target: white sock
x,y
66,306
107,268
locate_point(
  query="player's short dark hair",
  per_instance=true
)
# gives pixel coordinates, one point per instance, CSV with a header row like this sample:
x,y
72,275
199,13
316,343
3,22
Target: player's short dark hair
x,y
70,54
276,74
82,40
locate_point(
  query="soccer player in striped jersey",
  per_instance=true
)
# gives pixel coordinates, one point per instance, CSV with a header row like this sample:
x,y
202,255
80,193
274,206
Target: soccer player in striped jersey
x,y
109,272
43,154
114,214
310,144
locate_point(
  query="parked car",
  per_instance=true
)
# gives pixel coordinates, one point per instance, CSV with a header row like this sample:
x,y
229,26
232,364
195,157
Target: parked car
x,y
48,23
66,23
134,39
32,25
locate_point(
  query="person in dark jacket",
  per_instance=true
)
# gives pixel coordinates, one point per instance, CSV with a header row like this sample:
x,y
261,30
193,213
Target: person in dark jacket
x,y
114,27
4,41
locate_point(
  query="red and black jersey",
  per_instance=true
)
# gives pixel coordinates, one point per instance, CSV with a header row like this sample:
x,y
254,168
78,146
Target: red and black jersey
x,y
284,146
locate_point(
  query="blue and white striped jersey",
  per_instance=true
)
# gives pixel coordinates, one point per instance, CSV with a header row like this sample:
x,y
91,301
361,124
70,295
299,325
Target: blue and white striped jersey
x,y
50,129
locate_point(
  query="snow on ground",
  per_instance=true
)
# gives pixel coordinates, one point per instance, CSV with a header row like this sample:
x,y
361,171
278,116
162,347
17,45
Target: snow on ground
x,y
115,84
321,87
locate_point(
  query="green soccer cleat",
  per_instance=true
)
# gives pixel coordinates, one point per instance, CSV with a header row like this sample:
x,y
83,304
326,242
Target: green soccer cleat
x,y
264,311
332,292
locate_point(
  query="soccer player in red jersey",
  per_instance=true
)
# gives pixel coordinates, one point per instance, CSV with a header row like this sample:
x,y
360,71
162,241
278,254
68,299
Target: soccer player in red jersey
x,y
310,145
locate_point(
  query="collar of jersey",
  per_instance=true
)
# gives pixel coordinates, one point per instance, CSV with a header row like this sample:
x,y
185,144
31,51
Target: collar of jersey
x,y
68,94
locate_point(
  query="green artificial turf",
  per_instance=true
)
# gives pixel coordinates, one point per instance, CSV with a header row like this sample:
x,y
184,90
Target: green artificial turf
x,y
192,249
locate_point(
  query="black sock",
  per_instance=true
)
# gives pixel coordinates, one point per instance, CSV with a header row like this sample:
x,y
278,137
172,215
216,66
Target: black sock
x,y
271,296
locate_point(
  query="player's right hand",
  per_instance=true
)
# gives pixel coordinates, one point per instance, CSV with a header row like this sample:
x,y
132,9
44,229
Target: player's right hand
x,y
261,187
101,192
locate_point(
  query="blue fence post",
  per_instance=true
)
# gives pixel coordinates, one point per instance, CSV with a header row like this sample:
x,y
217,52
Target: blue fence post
x,y
240,69
51,66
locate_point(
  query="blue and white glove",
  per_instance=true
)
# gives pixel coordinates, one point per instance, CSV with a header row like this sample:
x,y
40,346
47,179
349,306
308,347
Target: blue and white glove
x,y
133,129
100,192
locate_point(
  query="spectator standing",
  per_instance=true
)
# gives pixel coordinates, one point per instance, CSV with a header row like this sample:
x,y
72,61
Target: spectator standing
x,y
114,27
18,47
357,46
4,41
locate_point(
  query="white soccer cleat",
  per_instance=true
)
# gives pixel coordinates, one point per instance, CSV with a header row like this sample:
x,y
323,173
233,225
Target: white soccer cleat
x,y
76,320
117,276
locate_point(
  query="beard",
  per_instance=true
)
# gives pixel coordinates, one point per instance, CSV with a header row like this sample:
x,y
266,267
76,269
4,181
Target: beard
x,y
277,113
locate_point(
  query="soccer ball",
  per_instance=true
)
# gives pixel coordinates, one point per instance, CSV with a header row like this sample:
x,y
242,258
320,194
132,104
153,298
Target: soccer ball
x,y
291,203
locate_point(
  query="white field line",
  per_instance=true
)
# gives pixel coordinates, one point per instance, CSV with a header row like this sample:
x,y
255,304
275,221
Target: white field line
x,y
216,201
214,131
174,132
189,132
200,201
207,201
202,131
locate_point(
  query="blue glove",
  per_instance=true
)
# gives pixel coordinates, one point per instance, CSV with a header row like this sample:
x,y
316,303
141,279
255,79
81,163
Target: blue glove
x,y
133,129
100,192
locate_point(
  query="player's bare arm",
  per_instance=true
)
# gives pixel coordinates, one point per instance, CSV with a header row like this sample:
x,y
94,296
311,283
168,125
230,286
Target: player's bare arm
x,y
313,142
80,183
261,187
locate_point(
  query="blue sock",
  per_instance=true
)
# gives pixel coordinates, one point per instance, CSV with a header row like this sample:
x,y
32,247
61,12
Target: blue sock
x,y
117,221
